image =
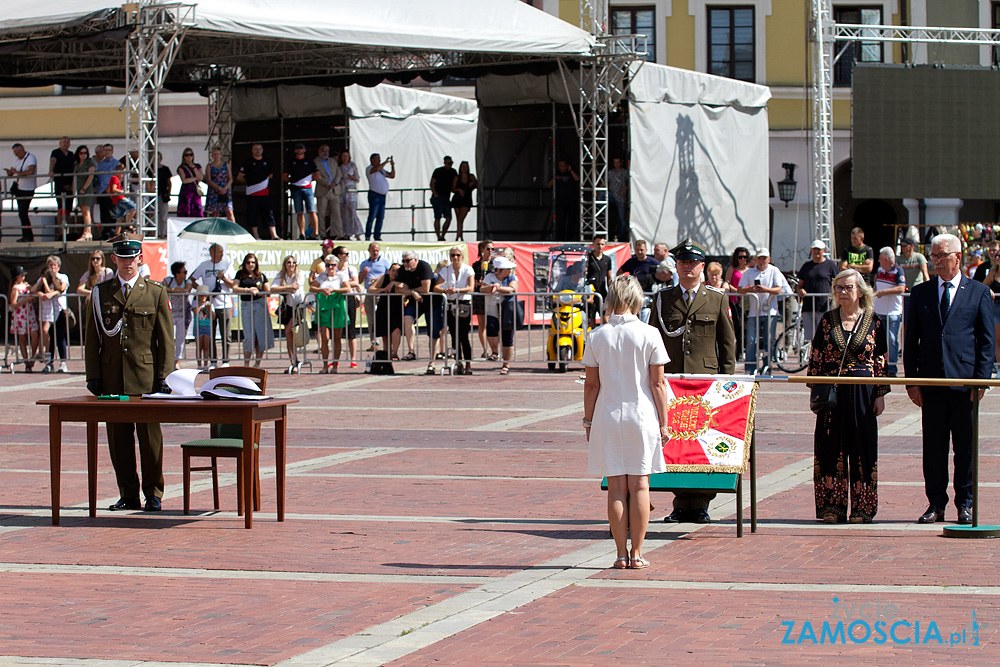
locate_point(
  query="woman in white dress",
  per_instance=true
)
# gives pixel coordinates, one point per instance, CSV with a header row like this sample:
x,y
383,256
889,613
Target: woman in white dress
x,y
624,411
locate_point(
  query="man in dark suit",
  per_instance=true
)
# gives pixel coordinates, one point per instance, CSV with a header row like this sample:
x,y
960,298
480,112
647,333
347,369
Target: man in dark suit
x,y
949,334
129,350
697,330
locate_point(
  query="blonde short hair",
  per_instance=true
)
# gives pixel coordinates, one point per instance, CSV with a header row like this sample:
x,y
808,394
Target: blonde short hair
x,y
624,293
713,267
459,248
866,296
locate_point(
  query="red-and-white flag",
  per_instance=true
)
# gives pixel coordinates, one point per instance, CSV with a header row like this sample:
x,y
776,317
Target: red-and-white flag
x,y
710,423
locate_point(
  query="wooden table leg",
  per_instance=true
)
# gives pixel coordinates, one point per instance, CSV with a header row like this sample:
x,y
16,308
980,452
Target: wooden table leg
x,y
55,459
92,466
248,471
279,461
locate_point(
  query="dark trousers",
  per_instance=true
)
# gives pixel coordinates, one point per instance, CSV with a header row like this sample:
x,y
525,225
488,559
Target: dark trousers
x,y
23,202
567,221
107,217
259,210
58,337
376,215
121,444
458,329
692,500
947,412
221,323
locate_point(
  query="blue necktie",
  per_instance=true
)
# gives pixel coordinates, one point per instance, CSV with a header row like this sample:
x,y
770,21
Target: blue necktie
x,y
945,302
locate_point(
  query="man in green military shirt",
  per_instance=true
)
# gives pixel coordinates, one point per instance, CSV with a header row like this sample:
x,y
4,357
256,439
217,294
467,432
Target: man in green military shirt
x,y
697,329
129,350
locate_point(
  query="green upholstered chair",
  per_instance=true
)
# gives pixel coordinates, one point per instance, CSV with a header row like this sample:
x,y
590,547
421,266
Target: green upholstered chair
x,y
226,441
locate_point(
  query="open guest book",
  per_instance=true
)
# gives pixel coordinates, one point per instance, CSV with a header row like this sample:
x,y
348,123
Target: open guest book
x,y
181,385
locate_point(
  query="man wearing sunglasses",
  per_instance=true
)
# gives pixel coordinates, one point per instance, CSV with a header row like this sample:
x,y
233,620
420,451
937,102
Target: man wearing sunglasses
x,y
949,334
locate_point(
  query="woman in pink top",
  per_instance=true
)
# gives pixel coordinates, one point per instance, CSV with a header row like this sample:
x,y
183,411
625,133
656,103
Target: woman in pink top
x,y
737,265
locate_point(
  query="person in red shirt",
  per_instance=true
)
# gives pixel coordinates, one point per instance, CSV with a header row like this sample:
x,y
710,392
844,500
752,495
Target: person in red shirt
x,y
122,208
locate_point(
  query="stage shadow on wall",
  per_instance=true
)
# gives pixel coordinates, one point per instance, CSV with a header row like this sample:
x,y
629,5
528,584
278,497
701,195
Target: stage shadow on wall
x,y
695,219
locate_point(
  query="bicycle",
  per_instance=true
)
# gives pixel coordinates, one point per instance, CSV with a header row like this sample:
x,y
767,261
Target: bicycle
x,y
791,349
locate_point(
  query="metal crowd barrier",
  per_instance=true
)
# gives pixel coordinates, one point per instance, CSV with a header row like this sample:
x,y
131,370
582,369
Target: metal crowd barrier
x,y
788,349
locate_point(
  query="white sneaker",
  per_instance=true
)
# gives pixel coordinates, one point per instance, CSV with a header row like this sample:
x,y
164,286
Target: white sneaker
x,y
63,368
225,365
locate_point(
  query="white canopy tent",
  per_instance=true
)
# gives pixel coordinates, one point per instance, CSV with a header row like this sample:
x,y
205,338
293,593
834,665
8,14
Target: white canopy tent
x,y
497,26
418,129
699,146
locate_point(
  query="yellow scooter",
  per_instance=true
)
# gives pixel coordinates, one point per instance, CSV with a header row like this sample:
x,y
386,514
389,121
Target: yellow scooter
x,y
567,330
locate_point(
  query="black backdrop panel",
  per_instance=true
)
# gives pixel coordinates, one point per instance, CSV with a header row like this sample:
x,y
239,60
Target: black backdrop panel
x,y
925,132
515,156
278,136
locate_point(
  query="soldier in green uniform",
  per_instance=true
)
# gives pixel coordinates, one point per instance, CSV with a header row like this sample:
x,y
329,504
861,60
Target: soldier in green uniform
x,y
129,350
697,329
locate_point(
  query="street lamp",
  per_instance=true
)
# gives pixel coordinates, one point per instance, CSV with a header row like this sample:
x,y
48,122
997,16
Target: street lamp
x,y
786,187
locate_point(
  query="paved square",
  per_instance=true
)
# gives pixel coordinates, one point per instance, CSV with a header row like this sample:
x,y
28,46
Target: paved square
x,y
450,521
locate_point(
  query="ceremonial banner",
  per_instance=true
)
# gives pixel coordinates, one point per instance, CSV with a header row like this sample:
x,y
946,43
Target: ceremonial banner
x,y
710,423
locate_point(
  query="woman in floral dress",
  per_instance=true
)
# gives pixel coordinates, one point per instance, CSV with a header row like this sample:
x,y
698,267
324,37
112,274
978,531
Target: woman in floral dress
x,y
846,438
219,179
189,201
349,197
23,321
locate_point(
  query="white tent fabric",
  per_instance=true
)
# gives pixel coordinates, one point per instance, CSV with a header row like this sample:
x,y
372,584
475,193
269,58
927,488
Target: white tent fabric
x,y
496,26
418,129
699,159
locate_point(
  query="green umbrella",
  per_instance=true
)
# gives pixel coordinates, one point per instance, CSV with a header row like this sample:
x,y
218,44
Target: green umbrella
x,y
215,230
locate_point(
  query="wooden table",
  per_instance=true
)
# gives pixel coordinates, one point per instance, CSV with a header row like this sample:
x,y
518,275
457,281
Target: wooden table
x,y
91,410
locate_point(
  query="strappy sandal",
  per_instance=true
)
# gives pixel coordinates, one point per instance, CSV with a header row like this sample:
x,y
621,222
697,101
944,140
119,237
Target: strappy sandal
x,y
621,563
505,370
440,356
493,356
410,356
430,371
638,563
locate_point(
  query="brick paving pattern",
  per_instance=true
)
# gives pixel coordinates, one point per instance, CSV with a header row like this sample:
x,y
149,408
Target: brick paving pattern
x,y
450,521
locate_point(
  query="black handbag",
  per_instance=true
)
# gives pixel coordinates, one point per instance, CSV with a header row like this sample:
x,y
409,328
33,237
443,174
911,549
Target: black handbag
x,y
824,396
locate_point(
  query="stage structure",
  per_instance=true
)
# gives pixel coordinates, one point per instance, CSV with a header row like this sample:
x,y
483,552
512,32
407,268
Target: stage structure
x,y
149,45
696,146
824,33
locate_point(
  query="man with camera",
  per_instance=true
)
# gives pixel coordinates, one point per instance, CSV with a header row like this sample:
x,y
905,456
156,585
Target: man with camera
x,y
762,282
217,273
378,188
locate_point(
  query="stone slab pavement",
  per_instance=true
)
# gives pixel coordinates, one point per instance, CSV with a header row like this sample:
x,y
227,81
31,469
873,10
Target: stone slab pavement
x,y
450,521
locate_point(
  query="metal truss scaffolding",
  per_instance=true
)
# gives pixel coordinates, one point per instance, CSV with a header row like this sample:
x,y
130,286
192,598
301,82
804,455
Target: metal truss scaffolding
x,y
220,114
150,51
824,32
603,84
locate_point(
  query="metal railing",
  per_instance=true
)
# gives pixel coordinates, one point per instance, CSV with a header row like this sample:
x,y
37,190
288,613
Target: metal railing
x,y
72,219
423,330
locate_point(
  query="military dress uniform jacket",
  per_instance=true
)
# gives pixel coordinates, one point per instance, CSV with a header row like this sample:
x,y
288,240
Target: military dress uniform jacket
x,y
142,352
699,338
